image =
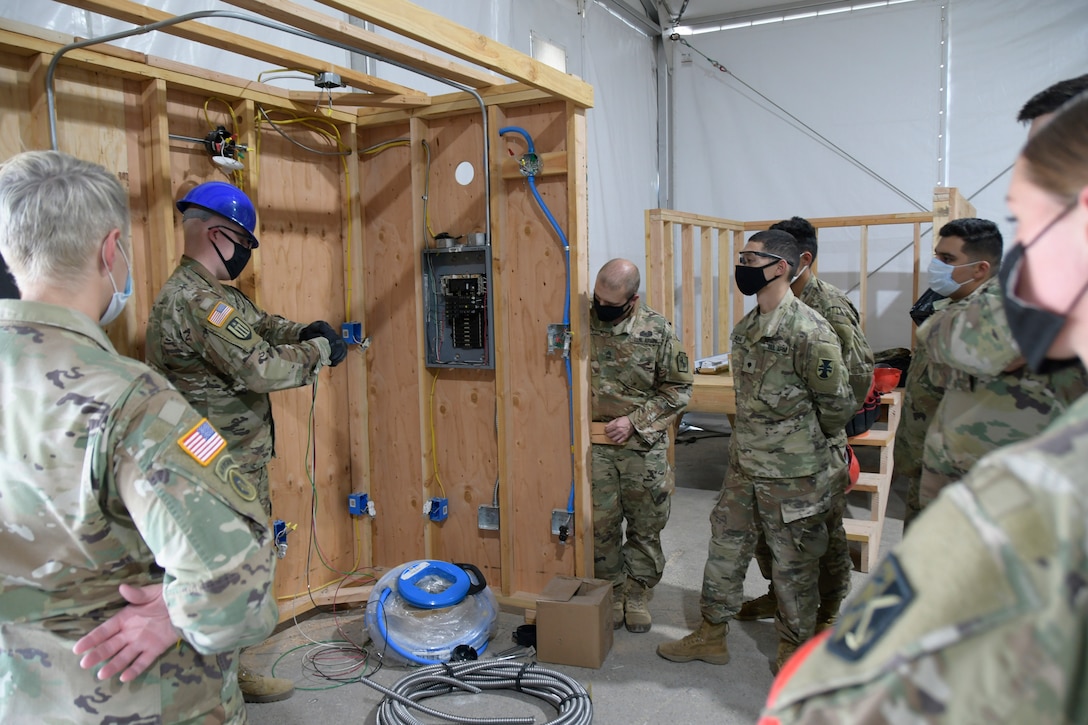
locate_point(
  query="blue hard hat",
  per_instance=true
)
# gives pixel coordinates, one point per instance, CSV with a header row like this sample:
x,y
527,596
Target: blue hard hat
x,y
226,200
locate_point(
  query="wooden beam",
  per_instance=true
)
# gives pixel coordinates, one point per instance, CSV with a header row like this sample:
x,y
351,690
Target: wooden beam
x,y
424,26
176,75
317,23
132,12
324,100
509,95
553,163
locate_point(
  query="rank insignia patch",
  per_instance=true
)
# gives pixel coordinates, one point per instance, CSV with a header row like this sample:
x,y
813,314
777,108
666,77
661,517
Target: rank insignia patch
x,y
220,314
873,613
203,442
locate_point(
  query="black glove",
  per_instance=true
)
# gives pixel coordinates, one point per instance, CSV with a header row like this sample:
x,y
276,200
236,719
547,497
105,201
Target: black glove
x,y
338,348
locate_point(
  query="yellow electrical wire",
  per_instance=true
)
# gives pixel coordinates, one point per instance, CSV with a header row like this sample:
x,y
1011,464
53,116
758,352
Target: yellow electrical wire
x,y
434,455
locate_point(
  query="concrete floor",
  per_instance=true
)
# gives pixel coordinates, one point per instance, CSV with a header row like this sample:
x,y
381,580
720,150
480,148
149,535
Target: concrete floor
x,y
633,686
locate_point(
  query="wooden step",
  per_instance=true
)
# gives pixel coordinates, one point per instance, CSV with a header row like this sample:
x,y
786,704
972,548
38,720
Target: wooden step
x,y
860,529
874,437
867,534
872,482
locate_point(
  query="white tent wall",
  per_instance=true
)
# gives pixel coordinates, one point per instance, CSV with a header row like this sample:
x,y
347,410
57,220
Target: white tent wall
x,y
615,58
870,82
866,81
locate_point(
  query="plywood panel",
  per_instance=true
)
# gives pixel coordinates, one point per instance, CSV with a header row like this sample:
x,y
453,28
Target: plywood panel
x,y
531,260
300,209
392,281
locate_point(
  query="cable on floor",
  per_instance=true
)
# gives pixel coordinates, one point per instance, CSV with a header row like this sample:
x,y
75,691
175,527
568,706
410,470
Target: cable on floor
x,y
563,693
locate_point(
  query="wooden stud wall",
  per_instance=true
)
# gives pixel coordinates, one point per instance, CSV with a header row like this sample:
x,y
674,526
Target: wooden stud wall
x,y
344,242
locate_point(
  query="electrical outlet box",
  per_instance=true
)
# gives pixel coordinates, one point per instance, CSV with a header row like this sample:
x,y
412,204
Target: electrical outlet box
x,y
279,537
558,339
352,333
328,80
562,523
487,518
438,509
357,504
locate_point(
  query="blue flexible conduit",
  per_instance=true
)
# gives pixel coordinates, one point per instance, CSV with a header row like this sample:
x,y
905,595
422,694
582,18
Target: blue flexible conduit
x,y
566,301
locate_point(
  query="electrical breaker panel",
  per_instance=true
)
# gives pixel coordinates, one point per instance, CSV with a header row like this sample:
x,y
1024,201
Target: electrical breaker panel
x,y
458,310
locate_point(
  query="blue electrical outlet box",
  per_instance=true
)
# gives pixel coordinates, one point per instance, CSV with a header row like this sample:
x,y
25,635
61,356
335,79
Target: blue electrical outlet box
x,y
352,332
357,503
439,510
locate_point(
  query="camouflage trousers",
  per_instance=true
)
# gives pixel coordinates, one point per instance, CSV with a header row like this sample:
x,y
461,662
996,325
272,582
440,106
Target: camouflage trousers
x,y
792,514
836,565
264,493
632,487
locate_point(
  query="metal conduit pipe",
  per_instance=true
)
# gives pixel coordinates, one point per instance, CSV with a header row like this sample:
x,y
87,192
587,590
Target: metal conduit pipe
x,y
142,29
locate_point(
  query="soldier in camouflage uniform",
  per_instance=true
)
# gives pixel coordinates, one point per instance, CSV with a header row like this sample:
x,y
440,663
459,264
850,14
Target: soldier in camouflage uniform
x,y
991,398
991,629
836,564
640,384
967,254
113,488
225,354
793,393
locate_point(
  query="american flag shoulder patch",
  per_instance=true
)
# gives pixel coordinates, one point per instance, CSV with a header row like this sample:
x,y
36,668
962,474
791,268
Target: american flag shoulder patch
x,y
220,313
203,442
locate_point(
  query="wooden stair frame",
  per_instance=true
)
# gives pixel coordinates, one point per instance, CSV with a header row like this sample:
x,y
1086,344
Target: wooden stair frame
x,y
878,483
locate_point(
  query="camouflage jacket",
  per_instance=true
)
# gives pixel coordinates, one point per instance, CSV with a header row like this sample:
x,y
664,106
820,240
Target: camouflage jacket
x,y
226,355
922,393
983,407
793,392
110,477
836,308
992,629
639,369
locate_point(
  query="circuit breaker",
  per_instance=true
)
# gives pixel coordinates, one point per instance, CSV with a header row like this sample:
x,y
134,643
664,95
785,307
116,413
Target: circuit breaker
x,y
458,307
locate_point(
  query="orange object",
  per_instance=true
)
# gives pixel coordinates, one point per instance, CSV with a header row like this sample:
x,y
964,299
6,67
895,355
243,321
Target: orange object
x,y
854,467
885,378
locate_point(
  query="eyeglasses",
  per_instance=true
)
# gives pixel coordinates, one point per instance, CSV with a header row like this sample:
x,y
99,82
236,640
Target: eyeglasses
x,y
747,259
247,243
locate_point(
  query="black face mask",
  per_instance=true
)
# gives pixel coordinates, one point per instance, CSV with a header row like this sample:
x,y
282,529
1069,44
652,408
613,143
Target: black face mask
x,y
1033,328
238,262
610,313
751,279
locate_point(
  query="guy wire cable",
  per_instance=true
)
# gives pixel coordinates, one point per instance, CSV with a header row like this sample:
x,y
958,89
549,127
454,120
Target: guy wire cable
x,y
676,37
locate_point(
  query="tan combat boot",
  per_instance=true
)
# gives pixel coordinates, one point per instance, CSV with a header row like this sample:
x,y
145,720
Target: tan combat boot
x,y
706,643
764,607
258,688
785,651
636,615
618,595
827,615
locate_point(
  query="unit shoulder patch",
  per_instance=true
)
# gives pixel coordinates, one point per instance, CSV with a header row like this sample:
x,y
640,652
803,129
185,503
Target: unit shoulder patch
x,y
228,470
885,596
239,328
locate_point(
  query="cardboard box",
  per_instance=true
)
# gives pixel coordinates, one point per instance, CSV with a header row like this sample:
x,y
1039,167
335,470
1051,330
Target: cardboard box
x,y
574,622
